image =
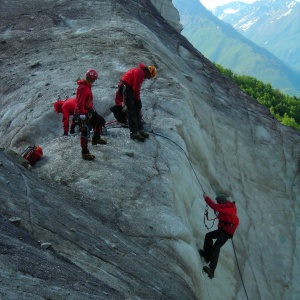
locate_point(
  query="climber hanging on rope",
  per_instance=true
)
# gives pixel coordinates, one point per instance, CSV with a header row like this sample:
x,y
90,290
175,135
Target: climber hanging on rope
x,y
228,222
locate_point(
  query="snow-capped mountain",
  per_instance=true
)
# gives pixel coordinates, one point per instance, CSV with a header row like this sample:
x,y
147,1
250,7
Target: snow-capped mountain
x,y
272,24
225,45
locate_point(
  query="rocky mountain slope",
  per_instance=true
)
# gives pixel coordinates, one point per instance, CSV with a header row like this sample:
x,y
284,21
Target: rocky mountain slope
x,y
271,24
169,12
129,224
222,44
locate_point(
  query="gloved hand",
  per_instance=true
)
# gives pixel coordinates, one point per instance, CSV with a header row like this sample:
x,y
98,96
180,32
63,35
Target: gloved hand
x,y
82,117
204,194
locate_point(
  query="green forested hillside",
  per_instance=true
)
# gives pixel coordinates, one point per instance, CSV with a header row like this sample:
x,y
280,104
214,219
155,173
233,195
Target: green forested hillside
x,y
284,108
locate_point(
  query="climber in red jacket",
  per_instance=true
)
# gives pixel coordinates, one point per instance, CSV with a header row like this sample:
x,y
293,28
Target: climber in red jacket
x,y
128,94
228,222
88,115
66,108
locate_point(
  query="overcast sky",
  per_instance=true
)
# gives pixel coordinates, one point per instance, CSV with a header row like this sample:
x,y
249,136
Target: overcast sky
x,y
209,4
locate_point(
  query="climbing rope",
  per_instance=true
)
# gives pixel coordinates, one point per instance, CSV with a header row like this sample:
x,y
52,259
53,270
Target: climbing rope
x,y
206,208
165,137
112,124
237,263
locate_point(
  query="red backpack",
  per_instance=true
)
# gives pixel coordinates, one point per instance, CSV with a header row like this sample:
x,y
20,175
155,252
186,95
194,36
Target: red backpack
x,y
33,154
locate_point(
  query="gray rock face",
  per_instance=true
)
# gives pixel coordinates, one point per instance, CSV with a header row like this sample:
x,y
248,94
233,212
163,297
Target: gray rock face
x,y
128,225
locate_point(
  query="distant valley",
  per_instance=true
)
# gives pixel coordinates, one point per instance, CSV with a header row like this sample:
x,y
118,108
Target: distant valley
x,y
223,44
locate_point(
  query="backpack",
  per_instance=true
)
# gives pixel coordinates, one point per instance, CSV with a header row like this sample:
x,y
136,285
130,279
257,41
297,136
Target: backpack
x,y
33,154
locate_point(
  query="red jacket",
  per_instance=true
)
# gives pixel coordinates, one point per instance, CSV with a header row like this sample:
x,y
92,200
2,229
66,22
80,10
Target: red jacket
x,y
67,108
135,77
84,97
228,219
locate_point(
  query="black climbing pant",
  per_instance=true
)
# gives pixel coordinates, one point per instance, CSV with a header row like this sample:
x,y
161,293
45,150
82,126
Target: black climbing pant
x,y
212,250
134,113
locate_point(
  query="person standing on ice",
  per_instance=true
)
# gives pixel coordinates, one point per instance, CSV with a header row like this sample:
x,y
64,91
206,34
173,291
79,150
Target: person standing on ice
x,y
66,108
88,115
228,222
128,93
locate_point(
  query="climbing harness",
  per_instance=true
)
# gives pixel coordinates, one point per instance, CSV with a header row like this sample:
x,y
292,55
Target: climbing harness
x,y
207,218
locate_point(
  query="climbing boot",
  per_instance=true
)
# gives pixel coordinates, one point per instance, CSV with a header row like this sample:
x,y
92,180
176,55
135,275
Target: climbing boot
x,y
88,156
137,136
144,134
210,272
99,141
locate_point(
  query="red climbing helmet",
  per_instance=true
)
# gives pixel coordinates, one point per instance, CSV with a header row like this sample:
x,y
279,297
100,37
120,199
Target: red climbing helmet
x,y
58,106
92,74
